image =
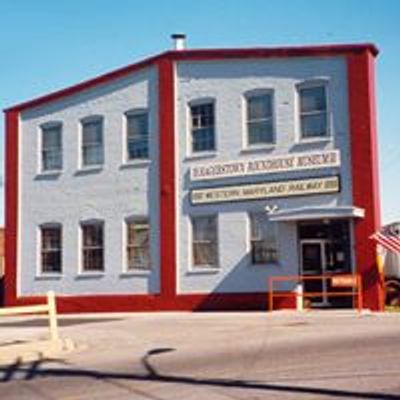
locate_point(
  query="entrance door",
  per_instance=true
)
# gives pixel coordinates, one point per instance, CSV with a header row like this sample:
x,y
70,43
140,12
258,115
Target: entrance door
x,y
313,263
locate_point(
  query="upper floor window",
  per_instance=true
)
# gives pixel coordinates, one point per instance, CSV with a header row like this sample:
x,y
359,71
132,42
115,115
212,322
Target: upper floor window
x,y
137,123
205,241
202,127
260,127
138,244
51,248
51,147
92,246
313,112
263,243
92,141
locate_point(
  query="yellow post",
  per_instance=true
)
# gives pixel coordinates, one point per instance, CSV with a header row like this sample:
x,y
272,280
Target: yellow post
x,y
380,263
299,297
51,302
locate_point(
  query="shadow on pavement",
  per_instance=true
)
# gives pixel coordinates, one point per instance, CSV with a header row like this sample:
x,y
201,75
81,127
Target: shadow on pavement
x,y
39,322
5,344
36,370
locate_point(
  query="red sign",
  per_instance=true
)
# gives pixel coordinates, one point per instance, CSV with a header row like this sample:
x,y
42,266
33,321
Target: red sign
x,y
344,281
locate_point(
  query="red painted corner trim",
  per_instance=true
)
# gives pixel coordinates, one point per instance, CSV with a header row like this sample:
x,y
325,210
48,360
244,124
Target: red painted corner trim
x,y
11,206
166,100
203,54
365,180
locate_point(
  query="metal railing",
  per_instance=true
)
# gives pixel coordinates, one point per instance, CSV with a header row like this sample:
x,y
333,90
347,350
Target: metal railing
x,y
49,308
353,281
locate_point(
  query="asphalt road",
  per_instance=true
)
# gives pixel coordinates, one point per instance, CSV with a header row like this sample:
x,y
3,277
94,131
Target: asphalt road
x,y
321,355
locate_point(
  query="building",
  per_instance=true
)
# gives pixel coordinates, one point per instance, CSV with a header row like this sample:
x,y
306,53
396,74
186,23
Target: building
x,y
186,180
1,265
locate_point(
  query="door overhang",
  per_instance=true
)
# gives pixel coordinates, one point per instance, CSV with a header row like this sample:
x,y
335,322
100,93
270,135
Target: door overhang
x,y
311,213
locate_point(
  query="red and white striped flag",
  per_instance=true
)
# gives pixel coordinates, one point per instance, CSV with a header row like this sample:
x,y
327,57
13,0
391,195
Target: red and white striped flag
x,y
388,239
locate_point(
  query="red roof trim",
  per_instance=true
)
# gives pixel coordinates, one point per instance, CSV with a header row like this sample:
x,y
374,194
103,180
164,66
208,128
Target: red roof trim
x,y
85,85
262,52
200,55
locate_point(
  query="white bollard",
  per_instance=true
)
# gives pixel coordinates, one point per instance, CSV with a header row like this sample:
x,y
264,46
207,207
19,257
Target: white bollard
x,y
51,301
299,297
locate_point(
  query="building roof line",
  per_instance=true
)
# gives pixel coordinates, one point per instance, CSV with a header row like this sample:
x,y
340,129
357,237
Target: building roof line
x,y
198,55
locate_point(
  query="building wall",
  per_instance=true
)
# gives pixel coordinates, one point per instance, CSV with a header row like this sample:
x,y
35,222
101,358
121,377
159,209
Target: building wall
x,y
350,71
1,252
226,82
1,266
113,193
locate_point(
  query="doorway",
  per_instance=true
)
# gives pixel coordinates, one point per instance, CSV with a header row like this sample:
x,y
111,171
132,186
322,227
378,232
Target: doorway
x,y
314,263
324,249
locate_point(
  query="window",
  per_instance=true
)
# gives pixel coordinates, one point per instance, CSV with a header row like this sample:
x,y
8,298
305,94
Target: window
x,y
138,244
51,142
205,241
92,142
313,112
263,243
259,119
202,127
137,135
51,248
92,246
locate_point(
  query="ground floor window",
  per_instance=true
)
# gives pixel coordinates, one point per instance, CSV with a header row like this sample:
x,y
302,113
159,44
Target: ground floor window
x,y
263,243
92,246
51,248
205,241
138,244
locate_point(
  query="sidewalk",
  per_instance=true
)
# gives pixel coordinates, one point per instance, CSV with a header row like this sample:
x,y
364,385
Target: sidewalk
x,y
11,353
24,339
279,355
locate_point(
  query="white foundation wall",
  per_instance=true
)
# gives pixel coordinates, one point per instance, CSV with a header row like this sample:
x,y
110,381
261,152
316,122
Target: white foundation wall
x,y
111,194
226,82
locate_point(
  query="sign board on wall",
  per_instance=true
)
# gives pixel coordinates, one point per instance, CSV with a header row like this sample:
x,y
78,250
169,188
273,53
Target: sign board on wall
x,y
344,281
297,187
267,165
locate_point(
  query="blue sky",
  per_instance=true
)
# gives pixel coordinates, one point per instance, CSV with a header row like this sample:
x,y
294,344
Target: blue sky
x,y
46,45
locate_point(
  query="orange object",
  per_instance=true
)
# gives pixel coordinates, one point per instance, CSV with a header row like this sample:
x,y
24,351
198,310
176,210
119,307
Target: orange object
x,y
349,280
344,281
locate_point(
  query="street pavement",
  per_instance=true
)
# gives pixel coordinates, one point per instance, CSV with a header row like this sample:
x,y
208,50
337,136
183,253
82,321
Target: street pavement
x,y
162,356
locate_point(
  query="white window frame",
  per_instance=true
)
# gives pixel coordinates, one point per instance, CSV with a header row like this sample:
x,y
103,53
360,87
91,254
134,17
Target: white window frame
x,y
250,240
203,267
42,127
39,271
194,103
125,157
82,270
309,84
82,122
139,270
245,135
